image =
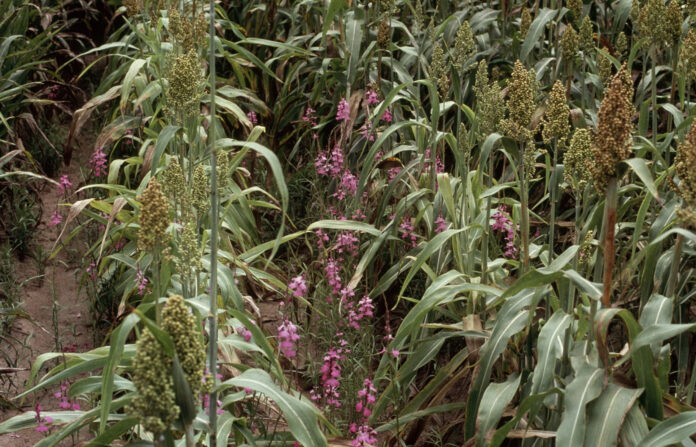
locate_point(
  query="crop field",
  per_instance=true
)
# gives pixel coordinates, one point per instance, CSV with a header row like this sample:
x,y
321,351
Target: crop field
x,y
364,223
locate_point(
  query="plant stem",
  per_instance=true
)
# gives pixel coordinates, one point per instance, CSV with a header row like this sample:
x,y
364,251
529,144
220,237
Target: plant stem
x,y
525,213
552,218
610,219
487,227
212,325
653,98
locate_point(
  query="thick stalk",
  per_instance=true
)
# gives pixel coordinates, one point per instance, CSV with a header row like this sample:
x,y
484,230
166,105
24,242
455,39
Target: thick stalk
x,y
553,187
190,437
487,227
525,213
610,219
156,282
653,97
212,319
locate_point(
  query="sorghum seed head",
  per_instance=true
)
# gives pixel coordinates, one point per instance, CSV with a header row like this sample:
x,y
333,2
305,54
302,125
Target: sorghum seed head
x,y
586,37
569,44
155,402
490,104
463,142
224,169
188,259
133,7
418,17
575,7
520,103
605,66
687,57
464,46
634,13
613,141
557,117
153,217
383,34
525,22
685,167
173,182
439,71
188,34
673,22
185,81
651,21
181,325
576,168
200,190
621,45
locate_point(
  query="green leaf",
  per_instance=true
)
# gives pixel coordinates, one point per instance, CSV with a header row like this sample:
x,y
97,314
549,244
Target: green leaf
x,y
510,321
431,247
345,225
354,31
606,415
640,167
300,415
585,387
334,8
493,403
115,431
133,70
118,341
657,333
163,139
634,428
535,31
672,430
549,348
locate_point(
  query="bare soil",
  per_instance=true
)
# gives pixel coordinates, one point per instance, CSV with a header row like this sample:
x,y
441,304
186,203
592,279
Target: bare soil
x,y
59,311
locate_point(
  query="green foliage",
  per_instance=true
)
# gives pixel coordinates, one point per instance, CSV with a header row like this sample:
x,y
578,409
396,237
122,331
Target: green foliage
x,y
358,164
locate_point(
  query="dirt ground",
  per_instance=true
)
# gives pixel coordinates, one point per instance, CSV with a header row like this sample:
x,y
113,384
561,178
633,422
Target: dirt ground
x,y
73,330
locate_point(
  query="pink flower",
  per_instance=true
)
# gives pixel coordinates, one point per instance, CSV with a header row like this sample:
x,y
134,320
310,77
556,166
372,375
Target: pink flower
x,y
395,353
252,117
141,281
503,224
409,232
98,162
366,399
41,421
309,117
92,270
206,405
298,286
364,436
330,378
64,184
56,219
322,238
347,242
439,165
343,111
244,332
440,224
287,335
371,97
333,276
366,131
387,116
348,186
